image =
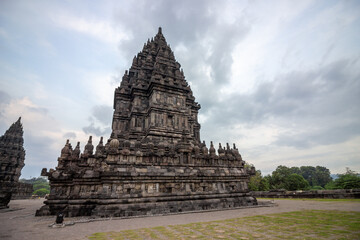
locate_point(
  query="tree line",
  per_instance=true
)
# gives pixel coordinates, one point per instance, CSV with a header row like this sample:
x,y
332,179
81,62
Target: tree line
x,y
303,178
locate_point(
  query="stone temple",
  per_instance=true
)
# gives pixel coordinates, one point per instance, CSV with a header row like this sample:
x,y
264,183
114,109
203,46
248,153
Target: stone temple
x,y
153,162
12,156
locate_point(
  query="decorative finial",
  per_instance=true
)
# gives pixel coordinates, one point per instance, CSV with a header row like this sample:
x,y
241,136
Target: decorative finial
x,y
160,30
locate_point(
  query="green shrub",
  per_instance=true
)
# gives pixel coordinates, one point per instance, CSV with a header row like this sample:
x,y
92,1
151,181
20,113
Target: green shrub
x,y
258,182
347,181
41,192
330,186
41,185
295,182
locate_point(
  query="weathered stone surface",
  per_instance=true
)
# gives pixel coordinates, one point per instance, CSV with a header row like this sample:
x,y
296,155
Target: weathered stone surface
x,y
12,156
22,191
154,161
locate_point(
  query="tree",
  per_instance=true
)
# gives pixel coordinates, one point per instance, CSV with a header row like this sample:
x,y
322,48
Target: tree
x,y
268,179
350,172
330,185
264,185
37,186
258,183
41,192
309,173
295,170
322,176
278,177
349,180
295,182
255,181
39,183
287,178
316,176
316,188
34,180
306,177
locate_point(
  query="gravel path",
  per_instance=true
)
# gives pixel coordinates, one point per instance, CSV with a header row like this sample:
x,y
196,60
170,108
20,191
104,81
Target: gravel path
x,y
19,222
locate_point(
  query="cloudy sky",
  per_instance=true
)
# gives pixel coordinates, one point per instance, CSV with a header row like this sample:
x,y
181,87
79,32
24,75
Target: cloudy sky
x,y
279,79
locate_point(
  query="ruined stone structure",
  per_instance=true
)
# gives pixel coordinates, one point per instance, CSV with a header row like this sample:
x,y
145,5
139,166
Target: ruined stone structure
x,y
12,156
154,161
22,191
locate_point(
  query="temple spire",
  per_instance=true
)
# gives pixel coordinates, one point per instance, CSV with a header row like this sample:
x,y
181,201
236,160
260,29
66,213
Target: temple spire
x,y
155,66
12,151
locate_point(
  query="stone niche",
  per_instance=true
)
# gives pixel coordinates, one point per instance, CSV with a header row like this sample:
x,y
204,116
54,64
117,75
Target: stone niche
x,y
153,162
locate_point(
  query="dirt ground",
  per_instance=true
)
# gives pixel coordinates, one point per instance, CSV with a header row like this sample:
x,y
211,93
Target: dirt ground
x,y
19,221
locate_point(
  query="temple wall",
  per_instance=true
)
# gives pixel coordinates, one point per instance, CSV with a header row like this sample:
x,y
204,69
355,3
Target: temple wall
x,y
144,188
22,191
118,180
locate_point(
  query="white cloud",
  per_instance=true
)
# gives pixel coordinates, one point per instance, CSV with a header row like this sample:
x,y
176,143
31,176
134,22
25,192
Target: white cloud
x,y
49,48
335,157
98,28
3,33
99,86
228,50
256,58
43,135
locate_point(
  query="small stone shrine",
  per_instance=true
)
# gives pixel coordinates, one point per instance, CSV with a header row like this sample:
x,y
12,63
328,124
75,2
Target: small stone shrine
x,y
12,156
153,162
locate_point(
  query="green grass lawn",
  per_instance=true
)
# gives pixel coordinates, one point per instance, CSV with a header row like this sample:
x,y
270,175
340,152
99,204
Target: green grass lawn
x,y
310,224
314,199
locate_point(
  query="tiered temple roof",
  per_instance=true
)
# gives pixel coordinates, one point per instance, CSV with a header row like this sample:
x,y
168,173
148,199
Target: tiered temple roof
x,y
154,101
